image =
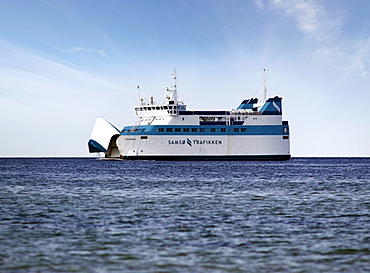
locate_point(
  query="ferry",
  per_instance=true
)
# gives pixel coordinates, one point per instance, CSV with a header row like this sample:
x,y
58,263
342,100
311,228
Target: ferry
x,y
169,131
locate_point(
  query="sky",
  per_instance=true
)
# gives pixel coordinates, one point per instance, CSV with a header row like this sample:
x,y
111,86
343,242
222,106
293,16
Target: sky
x,y
64,63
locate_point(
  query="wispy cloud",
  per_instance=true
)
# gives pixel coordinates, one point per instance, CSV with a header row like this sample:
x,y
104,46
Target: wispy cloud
x,y
90,50
359,58
52,100
323,22
259,4
28,77
312,17
67,10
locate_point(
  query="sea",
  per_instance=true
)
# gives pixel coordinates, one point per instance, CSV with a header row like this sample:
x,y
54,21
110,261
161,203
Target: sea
x,y
90,215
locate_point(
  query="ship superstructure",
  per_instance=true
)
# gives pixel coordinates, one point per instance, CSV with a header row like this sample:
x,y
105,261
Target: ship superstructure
x,y
169,131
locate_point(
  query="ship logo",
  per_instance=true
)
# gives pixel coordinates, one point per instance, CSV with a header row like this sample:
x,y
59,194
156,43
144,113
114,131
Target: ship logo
x,y
188,141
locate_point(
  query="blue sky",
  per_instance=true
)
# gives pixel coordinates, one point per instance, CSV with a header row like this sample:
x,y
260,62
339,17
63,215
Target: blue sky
x,y
63,63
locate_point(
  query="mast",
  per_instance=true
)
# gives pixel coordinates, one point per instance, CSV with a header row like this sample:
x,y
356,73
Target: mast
x,y
138,88
174,96
172,89
265,83
174,78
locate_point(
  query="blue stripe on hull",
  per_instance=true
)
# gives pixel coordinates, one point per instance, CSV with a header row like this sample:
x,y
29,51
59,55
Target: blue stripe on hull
x,y
212,158
227,130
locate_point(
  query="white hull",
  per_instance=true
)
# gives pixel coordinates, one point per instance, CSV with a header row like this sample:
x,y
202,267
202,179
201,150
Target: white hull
x,y
136,146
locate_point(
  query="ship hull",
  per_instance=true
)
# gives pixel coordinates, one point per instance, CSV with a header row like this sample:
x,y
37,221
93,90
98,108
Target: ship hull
x,y
199,147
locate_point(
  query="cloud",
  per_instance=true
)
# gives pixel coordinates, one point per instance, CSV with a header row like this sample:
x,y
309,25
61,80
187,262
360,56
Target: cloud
x,y
347,57
324,22
312,17
66,9
90,50
28,77
259,4
359,59
54,102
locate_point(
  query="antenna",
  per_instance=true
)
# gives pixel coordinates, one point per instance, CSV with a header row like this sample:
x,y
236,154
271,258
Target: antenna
x,y
138,88
174,78
264,82
173,95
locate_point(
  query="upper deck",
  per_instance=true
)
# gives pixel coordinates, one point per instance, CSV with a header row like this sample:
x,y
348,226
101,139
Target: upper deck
x,y
174,112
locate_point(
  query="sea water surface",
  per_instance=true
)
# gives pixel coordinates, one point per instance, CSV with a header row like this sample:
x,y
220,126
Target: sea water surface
x,y
88,215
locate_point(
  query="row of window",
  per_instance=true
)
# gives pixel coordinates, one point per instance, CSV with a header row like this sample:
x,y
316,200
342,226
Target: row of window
x,y
195,130
187,130
148,108
134,130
